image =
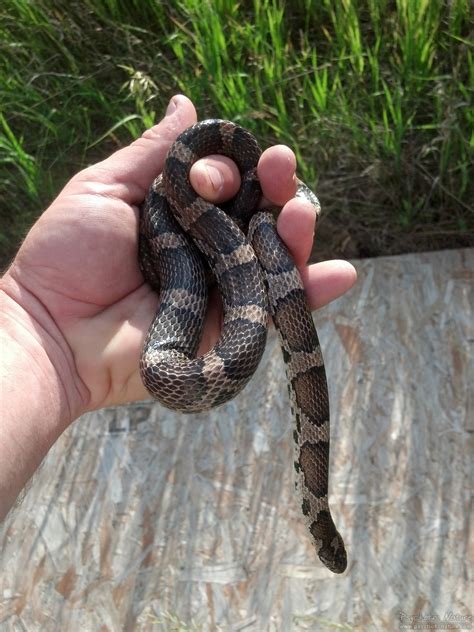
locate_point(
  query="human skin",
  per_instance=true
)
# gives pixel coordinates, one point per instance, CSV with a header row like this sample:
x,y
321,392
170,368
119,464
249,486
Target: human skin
x,y
74,308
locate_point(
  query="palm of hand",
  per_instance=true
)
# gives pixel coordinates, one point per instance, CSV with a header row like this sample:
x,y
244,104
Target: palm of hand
x,y
80,261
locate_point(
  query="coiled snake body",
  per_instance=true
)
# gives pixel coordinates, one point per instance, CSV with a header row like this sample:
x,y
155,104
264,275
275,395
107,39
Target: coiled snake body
x,y
180,235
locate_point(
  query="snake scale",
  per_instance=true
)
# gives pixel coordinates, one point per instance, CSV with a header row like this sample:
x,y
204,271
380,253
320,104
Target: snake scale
x,y
181,237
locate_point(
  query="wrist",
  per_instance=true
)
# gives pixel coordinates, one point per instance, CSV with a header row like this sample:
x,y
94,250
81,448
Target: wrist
x,y
33,333
40,396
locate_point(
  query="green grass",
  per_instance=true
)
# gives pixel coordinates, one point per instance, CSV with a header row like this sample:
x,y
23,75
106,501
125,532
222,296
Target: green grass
x,y
375,97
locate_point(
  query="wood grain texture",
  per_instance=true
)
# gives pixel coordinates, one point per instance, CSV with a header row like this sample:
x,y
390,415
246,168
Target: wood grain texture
x,y
139,515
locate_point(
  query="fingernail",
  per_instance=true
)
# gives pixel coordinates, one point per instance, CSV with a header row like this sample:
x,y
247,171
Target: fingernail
x,y
215,178
171,107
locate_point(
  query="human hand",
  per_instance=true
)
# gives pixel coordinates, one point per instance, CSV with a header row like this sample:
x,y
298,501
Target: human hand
x,y
77,279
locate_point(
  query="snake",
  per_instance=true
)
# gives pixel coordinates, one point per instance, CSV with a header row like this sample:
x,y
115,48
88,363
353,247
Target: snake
x,y
186,245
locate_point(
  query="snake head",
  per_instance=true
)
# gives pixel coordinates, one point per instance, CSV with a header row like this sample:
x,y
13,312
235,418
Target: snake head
x,y
333,555
328,542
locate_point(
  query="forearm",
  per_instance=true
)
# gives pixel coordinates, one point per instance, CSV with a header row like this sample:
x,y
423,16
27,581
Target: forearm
x,y
35,399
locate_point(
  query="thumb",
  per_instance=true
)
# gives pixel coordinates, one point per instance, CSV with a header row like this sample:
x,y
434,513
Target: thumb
x,y
136,166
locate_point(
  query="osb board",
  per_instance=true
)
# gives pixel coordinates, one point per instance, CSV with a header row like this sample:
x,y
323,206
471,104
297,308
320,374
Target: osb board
x,y
140,517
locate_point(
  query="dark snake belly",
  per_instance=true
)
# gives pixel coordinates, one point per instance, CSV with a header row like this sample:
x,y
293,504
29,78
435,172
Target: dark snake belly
x,y
181,236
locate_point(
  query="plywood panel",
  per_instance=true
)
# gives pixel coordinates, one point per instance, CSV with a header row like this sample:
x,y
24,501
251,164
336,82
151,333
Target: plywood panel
x,y
140,517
